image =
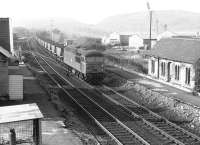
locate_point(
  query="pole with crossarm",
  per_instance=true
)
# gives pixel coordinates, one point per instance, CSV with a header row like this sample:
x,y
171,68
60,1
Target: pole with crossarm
x,y
150,23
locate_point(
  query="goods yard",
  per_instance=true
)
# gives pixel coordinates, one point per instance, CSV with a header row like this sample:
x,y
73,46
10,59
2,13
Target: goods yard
x,y
125,121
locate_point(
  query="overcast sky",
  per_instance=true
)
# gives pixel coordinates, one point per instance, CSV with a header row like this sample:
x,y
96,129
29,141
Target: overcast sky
x,y
88,11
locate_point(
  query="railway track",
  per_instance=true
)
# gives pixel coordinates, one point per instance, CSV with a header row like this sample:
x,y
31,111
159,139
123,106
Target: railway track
x,y
163,124
167,132
154,121
133,121
111,125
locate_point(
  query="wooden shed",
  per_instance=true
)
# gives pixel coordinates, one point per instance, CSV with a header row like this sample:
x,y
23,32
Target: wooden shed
x,y
24,120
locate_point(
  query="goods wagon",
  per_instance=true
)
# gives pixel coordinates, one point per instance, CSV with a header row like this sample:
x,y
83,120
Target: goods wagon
x,y
45,44
49,46
59,51
52,48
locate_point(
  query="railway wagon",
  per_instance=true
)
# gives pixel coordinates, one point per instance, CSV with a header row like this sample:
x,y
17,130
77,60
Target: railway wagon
x,y
86,64
59,50
45,45
53,48
49,46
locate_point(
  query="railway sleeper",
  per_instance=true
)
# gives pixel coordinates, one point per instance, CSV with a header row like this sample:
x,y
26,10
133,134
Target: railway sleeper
x,y
172,131
139,110
162,124
190,141
168,142
122,134
196,143
185,138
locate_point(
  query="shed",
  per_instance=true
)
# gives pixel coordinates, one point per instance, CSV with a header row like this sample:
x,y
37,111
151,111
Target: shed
x,y
25,120
15,83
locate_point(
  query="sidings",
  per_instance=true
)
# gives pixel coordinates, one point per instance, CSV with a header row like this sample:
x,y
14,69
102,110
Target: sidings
x,y
16,87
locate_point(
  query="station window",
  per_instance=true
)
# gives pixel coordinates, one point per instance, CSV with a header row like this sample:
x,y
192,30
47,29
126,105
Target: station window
x,y
177,72
152,66
163,68
187,76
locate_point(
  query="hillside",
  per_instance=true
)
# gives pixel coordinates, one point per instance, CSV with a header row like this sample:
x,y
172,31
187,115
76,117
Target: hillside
x,y
177,21
66,25
181,21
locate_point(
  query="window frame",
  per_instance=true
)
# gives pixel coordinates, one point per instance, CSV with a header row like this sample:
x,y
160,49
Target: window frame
x,y
163,69
177,72
153,66
187,75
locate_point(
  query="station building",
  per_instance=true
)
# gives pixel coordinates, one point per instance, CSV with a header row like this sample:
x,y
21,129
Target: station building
x,y
176,61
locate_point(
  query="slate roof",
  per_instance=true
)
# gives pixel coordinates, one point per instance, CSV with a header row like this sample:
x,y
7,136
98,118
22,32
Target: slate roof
x,y
177,49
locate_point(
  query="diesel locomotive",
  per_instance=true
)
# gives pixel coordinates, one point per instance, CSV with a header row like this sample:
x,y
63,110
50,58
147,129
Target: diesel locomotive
x,y
87,64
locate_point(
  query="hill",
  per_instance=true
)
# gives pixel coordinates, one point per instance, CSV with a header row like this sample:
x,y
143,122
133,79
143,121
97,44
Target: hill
x,y
66,25
176,20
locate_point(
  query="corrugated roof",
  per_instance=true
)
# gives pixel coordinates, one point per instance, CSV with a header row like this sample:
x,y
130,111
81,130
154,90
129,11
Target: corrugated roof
x,y
19,113
178,49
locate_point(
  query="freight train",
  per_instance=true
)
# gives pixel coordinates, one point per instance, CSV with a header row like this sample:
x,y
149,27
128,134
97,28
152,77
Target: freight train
x,y
86,64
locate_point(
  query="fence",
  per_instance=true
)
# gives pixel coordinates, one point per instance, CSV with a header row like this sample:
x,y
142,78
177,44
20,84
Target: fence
x,y
139,65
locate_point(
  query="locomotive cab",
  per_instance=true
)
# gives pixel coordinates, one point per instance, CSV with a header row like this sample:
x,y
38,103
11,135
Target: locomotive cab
x,y
94,66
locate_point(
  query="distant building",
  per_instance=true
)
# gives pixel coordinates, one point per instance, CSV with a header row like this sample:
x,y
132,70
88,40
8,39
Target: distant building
x,y
166,34
146,43
105,40
177,61
124,40
6,35
68,42
135,42
116,39
141,41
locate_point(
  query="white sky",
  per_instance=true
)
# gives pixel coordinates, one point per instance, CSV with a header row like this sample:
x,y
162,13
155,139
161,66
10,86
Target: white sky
x,y
87,11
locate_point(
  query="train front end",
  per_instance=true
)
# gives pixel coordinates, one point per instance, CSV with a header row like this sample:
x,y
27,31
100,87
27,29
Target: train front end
x,y
94,66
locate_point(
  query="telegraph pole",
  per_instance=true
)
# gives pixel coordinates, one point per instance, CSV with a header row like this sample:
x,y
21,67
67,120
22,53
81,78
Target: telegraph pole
x,y
150,14
150,23
51,28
